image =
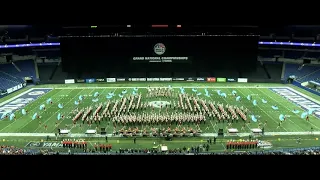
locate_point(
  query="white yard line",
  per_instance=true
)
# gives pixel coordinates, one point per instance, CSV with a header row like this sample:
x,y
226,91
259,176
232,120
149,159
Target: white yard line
x,y
116,87
282,106
214,127
69,102
38,114
223,146
91,103
247,125
265,112
290,110
19,95
58,110
16,120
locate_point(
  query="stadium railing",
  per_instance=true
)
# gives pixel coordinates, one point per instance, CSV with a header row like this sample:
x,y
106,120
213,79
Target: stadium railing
x,y
298,84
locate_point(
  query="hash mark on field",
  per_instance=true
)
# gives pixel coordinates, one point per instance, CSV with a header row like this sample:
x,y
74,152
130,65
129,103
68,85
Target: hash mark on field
x,y
213,126
31,104
264,111
39,113
285,108
60,109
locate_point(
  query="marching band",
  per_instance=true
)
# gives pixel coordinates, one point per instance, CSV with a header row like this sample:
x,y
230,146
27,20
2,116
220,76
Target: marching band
x,y
180,111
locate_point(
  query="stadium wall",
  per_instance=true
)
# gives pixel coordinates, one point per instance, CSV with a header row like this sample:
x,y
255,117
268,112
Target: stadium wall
x,y
12,89
298,84
253,80
51,82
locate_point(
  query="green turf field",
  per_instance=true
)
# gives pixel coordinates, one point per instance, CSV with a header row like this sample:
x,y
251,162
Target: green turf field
x,y
68,94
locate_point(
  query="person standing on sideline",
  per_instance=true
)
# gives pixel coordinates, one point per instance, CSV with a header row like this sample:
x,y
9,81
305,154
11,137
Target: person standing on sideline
x,y
106,138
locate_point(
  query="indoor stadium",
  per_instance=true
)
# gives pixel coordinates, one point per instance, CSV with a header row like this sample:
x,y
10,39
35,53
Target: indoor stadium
x,y
159,89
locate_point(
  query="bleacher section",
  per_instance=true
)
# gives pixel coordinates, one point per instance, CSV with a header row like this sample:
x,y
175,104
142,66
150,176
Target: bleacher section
x,y
27,68
13,74
6,78
306,73
7,83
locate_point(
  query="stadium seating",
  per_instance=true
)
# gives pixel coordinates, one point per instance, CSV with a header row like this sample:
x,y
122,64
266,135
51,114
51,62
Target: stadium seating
x,y
306,73
7,81
312,77
11,76
27,68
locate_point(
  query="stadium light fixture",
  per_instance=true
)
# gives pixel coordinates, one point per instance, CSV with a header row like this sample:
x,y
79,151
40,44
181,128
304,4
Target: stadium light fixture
x,y
260,43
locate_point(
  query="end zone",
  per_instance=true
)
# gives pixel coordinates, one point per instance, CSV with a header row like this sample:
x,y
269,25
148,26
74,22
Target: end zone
x,y
21,100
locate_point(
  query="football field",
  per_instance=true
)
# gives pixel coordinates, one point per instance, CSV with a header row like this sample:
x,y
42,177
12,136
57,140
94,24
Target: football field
x,y
25,129
267,109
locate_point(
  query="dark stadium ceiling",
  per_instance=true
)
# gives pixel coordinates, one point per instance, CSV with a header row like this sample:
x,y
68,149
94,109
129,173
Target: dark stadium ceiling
x,y
44,32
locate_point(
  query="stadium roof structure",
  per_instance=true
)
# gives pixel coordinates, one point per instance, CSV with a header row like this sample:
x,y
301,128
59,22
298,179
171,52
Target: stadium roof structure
x,y
15,34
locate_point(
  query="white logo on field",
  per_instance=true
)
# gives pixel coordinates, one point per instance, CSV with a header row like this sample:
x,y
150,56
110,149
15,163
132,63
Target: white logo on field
x,y
158,104
36,93
159,48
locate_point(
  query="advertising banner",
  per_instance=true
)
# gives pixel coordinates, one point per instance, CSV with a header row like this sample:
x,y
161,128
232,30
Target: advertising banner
x,y
80,80
109,80
201,79
69,81
243,80
121,79
231,80
221,79
10,90
101,80
90,80
211,79
165,79
190,79
178,79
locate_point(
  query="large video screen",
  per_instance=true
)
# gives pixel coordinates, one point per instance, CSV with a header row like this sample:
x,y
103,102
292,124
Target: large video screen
x,y
158,53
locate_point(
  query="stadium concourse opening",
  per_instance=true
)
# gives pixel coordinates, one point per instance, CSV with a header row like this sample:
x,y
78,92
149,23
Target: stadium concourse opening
x,y
166,55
